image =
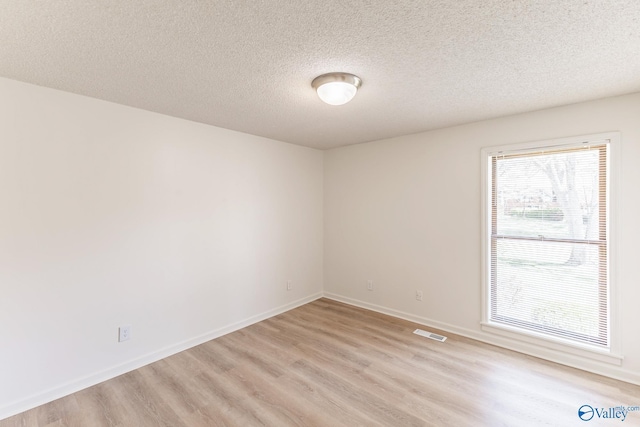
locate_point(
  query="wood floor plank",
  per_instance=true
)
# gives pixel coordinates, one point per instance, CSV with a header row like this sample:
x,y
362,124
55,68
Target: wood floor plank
x,y
99,407
331,364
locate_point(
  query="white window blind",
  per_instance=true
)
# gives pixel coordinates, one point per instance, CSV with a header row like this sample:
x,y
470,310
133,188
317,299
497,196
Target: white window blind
x,y
549,243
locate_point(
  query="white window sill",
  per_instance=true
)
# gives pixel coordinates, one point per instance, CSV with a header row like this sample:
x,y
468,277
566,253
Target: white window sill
x,y
556,344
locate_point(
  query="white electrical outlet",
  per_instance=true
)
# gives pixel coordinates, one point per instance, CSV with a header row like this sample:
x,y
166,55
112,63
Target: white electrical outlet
x,y
124,333
289,285
369,285
419,295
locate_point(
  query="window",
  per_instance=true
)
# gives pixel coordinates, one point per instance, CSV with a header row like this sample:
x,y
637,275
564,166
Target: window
x,y
547,241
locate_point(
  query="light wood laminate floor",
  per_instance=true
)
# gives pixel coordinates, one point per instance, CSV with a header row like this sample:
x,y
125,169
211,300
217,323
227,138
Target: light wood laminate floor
x,y
330,364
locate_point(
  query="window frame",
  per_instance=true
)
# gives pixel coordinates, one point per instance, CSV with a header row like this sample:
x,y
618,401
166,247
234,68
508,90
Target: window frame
x,y
610,354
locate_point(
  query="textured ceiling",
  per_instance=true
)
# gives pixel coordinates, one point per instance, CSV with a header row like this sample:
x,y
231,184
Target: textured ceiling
x,y
248,65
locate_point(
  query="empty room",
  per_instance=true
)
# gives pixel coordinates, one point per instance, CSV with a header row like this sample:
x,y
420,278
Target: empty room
x,y
271,213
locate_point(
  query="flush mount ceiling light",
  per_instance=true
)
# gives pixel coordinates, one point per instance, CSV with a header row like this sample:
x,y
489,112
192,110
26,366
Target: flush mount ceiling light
x,y
336,88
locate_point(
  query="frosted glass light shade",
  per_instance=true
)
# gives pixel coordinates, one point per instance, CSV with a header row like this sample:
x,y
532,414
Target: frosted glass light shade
x,y
337,93
336,88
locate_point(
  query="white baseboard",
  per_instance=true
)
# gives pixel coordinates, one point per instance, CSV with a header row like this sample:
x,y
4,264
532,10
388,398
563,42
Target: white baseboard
x,y
615,372
57,392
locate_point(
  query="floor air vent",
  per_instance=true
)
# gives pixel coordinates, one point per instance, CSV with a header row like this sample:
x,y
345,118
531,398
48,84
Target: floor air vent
x,y
429,335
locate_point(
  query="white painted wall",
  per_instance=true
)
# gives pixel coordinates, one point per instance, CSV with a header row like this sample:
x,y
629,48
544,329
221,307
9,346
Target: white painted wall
x,y
405,213
111,216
